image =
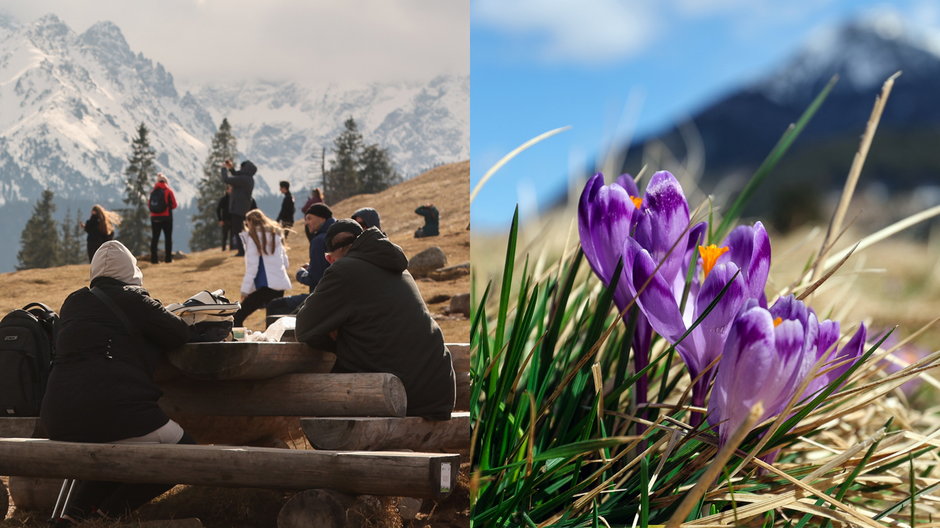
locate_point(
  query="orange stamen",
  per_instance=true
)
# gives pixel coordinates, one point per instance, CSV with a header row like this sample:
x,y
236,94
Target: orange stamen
x,y
637,201
710,256
777,321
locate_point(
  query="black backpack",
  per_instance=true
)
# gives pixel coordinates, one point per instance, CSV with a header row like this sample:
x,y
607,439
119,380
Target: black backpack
x,y
158,200
27,347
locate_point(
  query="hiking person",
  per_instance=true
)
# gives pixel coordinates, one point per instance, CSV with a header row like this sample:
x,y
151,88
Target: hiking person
x,y
316,196
100,228
243,183
317,220
367,308
225,221
162,203
431,221
285,216
367,217
101,388
265,264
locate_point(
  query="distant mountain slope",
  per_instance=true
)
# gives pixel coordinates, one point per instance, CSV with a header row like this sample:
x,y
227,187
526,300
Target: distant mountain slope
x,y
70,104
738,131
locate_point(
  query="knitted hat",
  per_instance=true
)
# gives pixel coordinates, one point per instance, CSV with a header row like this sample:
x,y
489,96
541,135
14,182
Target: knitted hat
x,y
319,209
116,261
345,225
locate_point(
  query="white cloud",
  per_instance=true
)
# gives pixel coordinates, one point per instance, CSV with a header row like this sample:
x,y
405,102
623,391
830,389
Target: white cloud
x,y
583,31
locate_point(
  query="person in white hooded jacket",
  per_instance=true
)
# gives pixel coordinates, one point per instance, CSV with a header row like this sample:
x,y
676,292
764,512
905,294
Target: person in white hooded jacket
x,y
266,264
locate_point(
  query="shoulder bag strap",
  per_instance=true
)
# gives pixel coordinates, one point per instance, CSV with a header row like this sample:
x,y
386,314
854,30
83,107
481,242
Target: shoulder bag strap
x,y
117,311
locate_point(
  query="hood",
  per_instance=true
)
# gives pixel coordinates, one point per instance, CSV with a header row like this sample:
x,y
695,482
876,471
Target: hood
x,y
370,216
161,185
375,248
116,261
248,168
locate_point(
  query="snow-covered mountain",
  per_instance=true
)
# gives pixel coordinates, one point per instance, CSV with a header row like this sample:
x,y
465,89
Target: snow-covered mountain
x,y
284,128
71,103
738,130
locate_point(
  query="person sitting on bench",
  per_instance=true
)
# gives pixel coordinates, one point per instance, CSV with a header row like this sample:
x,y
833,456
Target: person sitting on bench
x,y
101,389
317,219
368,309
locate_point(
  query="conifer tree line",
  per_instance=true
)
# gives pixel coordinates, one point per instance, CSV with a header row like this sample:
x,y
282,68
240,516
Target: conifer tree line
x,y
356,168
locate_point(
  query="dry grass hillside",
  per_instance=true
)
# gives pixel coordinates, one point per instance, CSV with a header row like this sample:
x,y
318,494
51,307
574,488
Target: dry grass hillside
x,y
447,187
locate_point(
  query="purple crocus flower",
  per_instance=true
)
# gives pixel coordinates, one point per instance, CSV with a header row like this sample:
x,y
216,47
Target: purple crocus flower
x,y
766,357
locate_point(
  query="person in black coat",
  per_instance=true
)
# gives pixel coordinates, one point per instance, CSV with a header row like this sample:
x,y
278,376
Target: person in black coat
x,y
101,388
225,221
285,216
100,228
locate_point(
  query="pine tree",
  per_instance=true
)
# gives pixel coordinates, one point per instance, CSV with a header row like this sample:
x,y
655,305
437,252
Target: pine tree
x,y
376,173
342,180
205,232
140,173
39,241
70,241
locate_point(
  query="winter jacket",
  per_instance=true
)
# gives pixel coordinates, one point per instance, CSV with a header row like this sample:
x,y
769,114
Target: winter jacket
x,y
101,388
170,201
383,325
431,219
95,236
274,266
286,215
243,183
317,263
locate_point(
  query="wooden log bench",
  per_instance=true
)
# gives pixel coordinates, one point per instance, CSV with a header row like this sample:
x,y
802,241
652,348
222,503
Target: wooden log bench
x,y
428,475
388,433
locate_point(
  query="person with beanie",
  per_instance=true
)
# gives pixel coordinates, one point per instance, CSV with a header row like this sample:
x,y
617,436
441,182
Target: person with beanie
x,y
266,264
162,203
243,183
101,388
367,308
367,217
317,220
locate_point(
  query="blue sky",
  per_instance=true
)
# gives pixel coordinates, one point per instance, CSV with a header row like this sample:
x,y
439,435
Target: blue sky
x,y
616,69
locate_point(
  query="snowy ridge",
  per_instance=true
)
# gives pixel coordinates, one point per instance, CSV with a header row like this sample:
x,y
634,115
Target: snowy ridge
x,y
863,53
70,105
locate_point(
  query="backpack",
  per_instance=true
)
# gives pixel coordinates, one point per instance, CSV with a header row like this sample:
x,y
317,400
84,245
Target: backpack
x,y
27,348
208,314
158,200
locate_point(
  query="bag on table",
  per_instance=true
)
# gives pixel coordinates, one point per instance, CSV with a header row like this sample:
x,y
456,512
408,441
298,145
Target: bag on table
x,y
208,314
27,348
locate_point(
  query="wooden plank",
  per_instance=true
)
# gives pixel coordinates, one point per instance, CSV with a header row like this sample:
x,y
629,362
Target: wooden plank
x,y
460,353
362,394
423,475
19,427
377,434
247,360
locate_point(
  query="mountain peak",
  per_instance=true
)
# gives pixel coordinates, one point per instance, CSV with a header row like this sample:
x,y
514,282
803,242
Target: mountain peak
x,y
104,33
49,33
863,52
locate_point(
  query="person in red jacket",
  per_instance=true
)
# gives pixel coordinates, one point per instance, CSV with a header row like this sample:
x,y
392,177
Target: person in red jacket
x,y
162,203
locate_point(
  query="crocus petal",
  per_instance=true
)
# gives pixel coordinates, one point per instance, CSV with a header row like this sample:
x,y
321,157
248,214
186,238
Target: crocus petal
x,y
605,213
714,328
747,362
669,218
849,354
657,299
626,181
750,250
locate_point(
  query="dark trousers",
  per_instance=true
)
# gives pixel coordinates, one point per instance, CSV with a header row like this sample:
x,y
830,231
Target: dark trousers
x,y
226,235
286,305
255,300
114,499
237,225
157,224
